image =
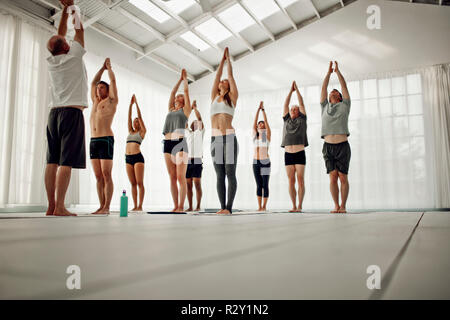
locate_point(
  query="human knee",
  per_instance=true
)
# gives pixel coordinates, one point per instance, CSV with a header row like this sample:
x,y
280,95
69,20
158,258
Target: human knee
x,y
107,176
334,177
140,185
343,178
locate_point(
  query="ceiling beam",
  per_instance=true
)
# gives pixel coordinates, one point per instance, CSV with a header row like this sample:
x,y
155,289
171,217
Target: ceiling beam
x,y
183,22
197,21
255,18
286,14
315,9
141,23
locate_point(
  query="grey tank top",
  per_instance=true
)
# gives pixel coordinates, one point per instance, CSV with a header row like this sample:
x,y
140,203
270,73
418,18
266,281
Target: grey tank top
x,y
294,131
335,117
175,122
135,138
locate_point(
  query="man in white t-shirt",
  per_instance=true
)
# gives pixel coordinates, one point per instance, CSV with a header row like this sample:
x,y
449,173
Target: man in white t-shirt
x,y
195,165
65,127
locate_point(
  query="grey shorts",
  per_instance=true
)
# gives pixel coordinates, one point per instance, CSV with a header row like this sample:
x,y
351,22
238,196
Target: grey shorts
x,y
65,138
337,156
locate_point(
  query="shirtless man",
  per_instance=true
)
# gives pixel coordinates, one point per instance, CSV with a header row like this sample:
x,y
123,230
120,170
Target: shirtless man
x,y
105,100
65,127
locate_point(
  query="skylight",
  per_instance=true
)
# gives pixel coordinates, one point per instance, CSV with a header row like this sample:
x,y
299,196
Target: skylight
x,y
286,3
195,41
262,8
236,18
213,30
151,10
178,6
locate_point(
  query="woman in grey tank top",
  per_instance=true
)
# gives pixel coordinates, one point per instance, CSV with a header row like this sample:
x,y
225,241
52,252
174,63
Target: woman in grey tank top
x,y
294,141
175,145
133,157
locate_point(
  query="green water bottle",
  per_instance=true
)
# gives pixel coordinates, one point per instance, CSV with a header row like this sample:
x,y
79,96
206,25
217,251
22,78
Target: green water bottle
x,y
124,204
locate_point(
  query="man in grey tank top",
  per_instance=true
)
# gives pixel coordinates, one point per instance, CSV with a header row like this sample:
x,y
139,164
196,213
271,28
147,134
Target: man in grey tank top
x,y
336,149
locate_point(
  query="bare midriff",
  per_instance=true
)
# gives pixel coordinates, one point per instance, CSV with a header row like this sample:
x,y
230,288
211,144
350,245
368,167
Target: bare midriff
x,y
101,119
335,138
294,148
76,107
132,148
221,124
173,136
261,153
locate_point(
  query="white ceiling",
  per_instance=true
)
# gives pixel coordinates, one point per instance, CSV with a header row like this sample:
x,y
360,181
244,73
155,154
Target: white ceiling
x,y
411,35
289,39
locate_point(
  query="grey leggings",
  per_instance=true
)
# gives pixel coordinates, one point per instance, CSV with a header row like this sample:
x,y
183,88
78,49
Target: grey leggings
x,y
224,152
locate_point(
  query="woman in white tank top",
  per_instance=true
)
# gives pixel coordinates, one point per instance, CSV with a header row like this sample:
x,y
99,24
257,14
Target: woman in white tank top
x,y
261,161
224,146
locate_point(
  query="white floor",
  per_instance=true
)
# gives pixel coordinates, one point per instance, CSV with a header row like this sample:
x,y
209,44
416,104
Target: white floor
x,y
244,256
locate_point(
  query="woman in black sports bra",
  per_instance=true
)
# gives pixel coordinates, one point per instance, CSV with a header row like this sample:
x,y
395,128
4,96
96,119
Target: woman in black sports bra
x,y
133,156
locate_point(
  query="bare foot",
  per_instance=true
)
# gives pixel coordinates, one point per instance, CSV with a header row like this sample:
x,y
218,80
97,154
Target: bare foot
x,y
134,209
224,211
99,209
294,209
189,209
63,213
102,211
336,210
139,209
299,210
197,209
50,211
180,210
342,210
174,210
220,211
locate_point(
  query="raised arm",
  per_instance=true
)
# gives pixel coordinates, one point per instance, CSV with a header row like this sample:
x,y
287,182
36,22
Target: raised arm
x,y
79,30
62,28
187,101
255,123
288,100
97,78
345,93
143,130
268,131
197,113
173,93
324,93
215,87
300,99
233,88
130,109
112,85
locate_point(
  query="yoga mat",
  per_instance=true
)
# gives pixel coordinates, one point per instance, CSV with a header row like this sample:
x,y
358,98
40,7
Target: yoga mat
x,y
165,212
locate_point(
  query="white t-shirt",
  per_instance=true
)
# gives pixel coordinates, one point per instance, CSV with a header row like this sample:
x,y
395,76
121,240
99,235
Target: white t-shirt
x,y
68,78
195,143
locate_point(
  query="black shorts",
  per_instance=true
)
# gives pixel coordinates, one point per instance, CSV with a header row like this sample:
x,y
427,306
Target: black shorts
x,y
194,168
102,148
337,156
175,146
295,158
134,158
65,138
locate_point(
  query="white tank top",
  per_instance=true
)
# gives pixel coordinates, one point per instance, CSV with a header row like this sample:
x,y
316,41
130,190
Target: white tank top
x,y
260,143
221,107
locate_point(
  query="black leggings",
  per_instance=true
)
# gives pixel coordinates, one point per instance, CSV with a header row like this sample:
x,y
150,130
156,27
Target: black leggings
x,y
224,152
261,170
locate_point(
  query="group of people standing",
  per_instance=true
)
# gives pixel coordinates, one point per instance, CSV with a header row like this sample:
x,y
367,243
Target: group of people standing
x,y
182,145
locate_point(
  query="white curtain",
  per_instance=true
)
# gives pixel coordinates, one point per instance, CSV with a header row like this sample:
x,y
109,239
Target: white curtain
x,y
436,84
24,109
